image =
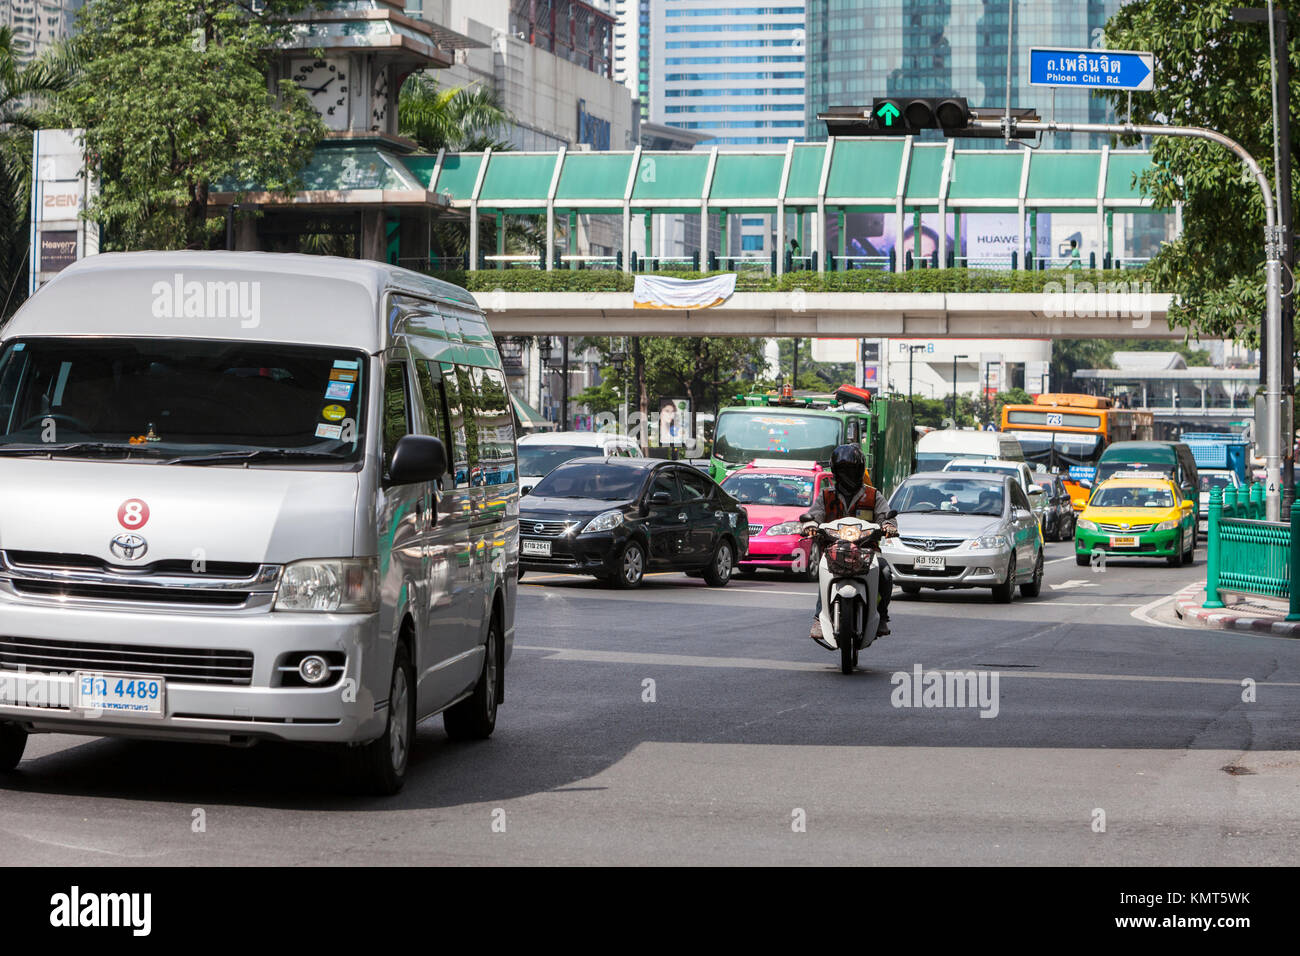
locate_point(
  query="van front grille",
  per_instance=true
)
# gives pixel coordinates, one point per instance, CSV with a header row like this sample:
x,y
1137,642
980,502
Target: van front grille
x,y
186,665
46,576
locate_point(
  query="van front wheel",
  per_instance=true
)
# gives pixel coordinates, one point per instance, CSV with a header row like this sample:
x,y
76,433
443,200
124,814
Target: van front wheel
x,y
13,741
379,767
475,717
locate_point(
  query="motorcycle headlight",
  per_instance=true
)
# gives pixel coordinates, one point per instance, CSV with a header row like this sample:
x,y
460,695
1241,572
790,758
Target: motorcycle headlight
x,y
990,542
849,534
1169,525
1086,525
345,585
604,522
785,527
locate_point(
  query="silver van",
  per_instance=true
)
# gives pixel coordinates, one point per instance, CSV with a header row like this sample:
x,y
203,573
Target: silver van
x,y
250,495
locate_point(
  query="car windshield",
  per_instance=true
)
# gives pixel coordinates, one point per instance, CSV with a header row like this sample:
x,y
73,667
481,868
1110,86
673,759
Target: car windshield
x,y
967,496
793,491
746,435
987,469
540,459
599,480
1211,480
1133,496
181,400
1104,471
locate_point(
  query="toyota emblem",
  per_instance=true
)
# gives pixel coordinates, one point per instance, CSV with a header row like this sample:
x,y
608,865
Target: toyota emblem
x,y
1124,525
539,527
128,547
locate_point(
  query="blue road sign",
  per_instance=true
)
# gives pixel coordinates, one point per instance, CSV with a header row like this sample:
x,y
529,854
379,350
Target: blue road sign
x,y
1091,69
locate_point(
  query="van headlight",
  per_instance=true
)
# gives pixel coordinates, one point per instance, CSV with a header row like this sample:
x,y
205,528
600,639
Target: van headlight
x,y
605,521
346,585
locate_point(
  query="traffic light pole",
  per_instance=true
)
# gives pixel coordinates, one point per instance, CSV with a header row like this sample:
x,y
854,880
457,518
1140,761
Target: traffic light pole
x,y
1010,127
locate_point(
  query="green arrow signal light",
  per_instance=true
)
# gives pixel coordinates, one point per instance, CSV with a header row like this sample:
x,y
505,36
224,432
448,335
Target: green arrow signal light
x,y
888,112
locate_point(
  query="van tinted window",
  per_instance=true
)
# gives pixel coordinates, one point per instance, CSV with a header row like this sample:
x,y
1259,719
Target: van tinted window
x,y
496,427
397,419
434,399
457,418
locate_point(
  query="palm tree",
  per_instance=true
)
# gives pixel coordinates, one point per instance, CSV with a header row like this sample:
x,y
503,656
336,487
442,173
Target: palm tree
x,y
463,119
458,119
25,88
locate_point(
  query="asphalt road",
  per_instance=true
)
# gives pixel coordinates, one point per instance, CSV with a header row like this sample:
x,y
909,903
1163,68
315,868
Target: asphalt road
x,y
1113,738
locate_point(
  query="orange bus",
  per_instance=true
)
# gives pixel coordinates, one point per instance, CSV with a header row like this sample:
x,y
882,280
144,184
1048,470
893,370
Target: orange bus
x,y
1066,434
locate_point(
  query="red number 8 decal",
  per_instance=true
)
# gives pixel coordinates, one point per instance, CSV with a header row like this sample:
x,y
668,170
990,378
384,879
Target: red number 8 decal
x,y
132,514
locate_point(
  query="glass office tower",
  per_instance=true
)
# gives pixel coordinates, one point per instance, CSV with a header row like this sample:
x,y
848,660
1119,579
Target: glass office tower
x,y
858,49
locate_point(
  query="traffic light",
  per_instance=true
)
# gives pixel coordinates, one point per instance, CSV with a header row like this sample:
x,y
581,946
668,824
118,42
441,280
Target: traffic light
x,y
904,116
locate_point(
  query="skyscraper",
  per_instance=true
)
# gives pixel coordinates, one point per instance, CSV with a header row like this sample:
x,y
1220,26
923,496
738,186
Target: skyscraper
x,y
731,68
858,49
38,23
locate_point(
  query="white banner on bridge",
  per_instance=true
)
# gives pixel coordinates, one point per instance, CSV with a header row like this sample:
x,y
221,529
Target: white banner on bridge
x,y
661,292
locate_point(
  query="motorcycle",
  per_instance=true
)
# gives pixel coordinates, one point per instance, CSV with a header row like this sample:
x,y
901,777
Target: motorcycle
x,y
849,583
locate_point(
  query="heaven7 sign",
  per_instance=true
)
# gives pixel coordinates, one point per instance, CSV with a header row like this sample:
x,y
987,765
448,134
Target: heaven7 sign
x,y
1092,69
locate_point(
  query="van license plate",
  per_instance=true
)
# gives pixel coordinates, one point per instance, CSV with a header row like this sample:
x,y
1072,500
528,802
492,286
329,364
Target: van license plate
x,y
933,561
1125,541
131,694
540,548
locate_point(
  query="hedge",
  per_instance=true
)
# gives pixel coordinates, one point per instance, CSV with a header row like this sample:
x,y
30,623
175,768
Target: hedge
x,y
857,280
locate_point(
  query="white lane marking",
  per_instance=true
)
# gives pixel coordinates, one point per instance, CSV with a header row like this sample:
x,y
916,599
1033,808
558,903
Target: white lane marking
x,y
1068,557
758,663
1143,613
1074,583
1086,604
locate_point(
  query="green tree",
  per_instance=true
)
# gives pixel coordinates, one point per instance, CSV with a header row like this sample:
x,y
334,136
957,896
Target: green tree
x,y
173,97
1212,73
25,93
457,119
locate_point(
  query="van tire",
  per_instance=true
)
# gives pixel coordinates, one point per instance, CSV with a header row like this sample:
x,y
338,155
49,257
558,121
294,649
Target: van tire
x,y
475,717
371,766
13,741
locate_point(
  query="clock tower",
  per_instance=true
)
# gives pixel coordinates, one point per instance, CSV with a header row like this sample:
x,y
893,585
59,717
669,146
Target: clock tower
x,y
351,57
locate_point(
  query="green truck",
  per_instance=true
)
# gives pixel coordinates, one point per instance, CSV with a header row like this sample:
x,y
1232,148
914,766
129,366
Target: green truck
x,y
793,431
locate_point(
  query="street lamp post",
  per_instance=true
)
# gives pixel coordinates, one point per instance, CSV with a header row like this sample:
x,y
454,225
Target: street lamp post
x,y
911,350
954,386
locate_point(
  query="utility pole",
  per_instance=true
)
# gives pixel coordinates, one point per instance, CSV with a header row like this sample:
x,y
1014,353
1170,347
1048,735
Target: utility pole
x,y
794,366
1011,126
911,350
1282,116
564,387
954,386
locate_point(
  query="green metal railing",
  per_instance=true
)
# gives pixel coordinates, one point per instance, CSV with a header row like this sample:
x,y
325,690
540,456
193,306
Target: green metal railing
x,y
1247,554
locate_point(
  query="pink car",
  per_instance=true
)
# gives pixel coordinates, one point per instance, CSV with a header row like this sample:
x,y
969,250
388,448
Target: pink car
x,y
775,496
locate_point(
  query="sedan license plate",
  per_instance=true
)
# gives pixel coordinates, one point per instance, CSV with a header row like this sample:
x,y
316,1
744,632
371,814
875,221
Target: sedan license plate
x,y
1123,541
540,548
933,561
131,694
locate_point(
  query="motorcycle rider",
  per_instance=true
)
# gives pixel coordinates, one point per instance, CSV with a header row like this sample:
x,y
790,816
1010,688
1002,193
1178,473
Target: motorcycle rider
x,y
853,496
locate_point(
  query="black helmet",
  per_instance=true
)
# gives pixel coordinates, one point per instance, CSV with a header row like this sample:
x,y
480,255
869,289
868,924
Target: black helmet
x,y
848,466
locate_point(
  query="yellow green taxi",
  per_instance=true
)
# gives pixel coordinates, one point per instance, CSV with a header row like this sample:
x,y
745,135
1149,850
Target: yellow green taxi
x,y
1138,514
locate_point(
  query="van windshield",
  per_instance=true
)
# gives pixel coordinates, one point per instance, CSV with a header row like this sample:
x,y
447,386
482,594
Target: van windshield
x,y
183,400
776,433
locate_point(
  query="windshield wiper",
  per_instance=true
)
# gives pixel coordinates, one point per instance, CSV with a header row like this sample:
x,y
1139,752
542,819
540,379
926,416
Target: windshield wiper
x,y
73,448
245,455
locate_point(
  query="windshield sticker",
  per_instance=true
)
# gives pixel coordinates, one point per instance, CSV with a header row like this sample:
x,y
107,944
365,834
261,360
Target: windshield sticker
x,y
763,420
342,375
339,390
329,431
20,346
333,413
346,363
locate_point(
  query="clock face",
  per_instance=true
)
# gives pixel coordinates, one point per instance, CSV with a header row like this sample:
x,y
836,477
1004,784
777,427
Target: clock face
x,y
326,83
379,101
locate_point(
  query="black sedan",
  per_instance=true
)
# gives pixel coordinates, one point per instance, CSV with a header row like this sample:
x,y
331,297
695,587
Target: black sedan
x,y
1059,516
617,518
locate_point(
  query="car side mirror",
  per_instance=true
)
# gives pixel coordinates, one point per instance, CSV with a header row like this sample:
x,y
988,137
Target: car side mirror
x,y
661,498
417,458
891,514
525,490
1035,489
1022,514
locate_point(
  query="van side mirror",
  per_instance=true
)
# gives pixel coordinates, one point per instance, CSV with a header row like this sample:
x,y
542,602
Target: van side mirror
x,y
1035,489
417,458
